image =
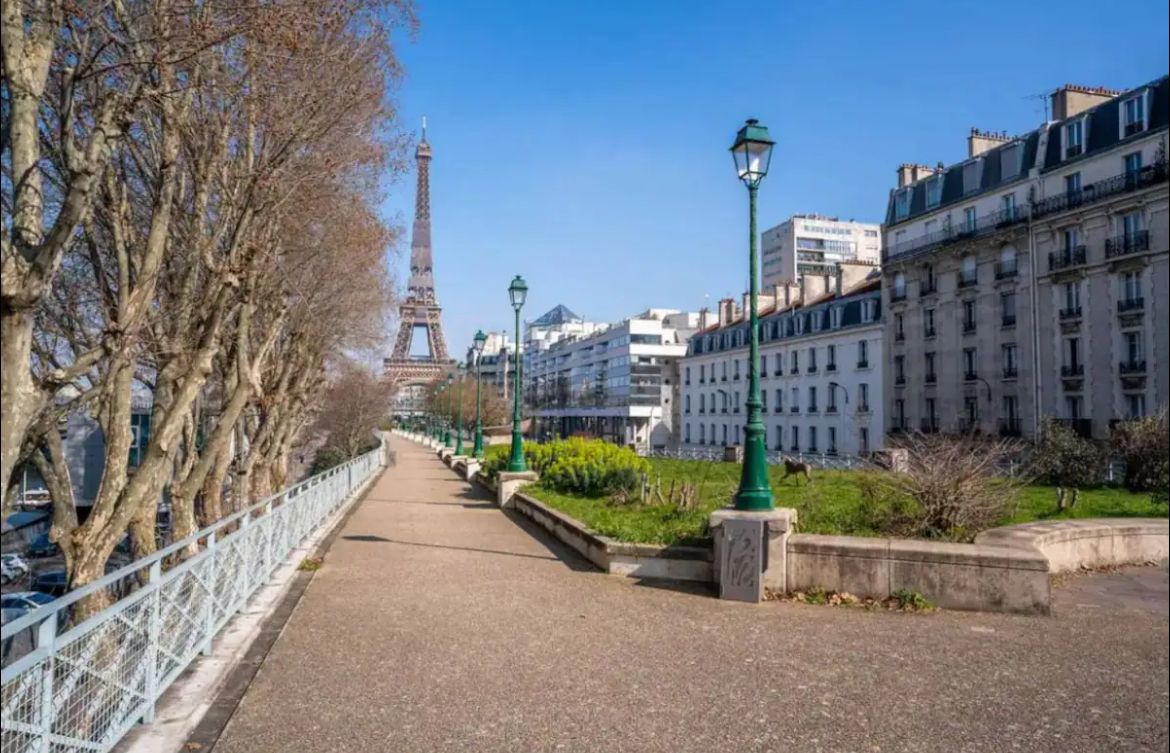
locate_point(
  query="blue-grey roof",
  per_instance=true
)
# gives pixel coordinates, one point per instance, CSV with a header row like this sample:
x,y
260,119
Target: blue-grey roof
x,y
558,314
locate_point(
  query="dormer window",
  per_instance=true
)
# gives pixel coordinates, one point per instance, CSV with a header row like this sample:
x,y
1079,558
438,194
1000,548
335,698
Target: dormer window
x,y
902,204
971,177
1074,139
1133,115
1009,161
835,317
934,192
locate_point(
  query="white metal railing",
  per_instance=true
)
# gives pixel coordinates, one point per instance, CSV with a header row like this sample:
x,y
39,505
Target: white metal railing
x,y
775,457
82,689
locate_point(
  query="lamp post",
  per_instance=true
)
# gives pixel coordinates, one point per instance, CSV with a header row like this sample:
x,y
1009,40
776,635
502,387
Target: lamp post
x,y
478,343
752,152
447,419
459,425
517,292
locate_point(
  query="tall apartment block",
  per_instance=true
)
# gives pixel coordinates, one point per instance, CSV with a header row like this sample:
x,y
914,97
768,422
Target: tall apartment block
x,y
815,245
1030,279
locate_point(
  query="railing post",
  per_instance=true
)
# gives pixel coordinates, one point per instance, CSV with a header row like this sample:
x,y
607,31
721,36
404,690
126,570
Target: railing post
x,y
153,632
209,612
46,638
269,535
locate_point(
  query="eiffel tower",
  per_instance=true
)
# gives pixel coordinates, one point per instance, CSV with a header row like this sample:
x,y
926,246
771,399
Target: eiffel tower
x,y
420,310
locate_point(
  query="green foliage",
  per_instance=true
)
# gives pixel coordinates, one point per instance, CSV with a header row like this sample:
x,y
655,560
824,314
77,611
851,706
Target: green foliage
x,y
326,458
589,467
911,601
1144,443
1063,458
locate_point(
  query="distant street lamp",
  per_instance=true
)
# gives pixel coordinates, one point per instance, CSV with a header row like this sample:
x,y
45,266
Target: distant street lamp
x,y
478,343
752,152
517,292
450,413
459,426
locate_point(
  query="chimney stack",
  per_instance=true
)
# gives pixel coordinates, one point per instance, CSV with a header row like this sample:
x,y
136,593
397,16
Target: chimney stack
x,y
909,173
726,311
979,141
1071,99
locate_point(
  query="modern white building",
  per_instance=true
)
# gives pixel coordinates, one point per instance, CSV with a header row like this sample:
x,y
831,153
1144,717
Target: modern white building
x,y
1028,280
555,325
615,383
820,369
813,244
496,362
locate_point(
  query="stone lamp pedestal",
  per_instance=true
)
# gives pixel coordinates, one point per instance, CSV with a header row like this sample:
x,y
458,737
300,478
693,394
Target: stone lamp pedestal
x,y
508,483
751,551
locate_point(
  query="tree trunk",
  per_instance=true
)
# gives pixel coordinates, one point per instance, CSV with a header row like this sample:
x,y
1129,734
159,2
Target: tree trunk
x,y
20,400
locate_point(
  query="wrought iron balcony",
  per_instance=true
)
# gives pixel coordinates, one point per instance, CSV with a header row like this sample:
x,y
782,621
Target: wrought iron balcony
x,y
830,410
812,368
1118,184
968,281
900,379
794,370
1071,312
863,364
1083,427
970,376
930,332
931,378
1073,371
1007,320
1132,367
968,327
898,337
831,367
1129,243
1131,305
794,409
1010,427
898,295
968,425
1004,271
1074,256
1010,372
929,425
928,288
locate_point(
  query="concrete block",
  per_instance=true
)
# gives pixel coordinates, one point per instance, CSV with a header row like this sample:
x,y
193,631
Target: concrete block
x,y
470,468
509,483
775,527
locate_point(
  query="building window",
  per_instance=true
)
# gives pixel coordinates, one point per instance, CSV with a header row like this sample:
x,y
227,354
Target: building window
x,y
902,204
764,400
868,310
688,434
1007,309
795,433
1072,297
1007,261
1073,407
1072,185
970,220
723,368
1073,139
688,403
971,177
1072,355
1009,161
724,435
1131,287
1008,355
795,358
862,354
899,327
1133,163
835,317
968,316
971,411
779,394
899,286
863,439
702,373
702,434
779,437
736,409
688,375
736,369
812,359
1133,115
900,413
1133,346
812,439
1008,206
832,447
968,271
1131,225
899,370
831,357
735,440
969,370
863,398
928,322
794,405
934,192
763,365
812,399
1135,405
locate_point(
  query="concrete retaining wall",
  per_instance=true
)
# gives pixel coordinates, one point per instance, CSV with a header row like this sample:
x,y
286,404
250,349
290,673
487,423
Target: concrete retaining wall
x,y
617,557
954,576
1089,543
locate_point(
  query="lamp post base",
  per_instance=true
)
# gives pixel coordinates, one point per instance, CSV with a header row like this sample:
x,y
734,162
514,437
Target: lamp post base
x,y
751,551
508,483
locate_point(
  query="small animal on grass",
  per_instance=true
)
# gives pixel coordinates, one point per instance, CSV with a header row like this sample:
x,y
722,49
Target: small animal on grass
x,y
797,468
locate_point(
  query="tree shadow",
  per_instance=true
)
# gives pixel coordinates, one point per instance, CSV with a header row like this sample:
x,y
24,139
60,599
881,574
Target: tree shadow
x,y
375,539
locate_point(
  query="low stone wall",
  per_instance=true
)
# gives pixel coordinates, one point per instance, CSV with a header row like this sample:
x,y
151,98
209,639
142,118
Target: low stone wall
x,y
1093,542
954,576
617,557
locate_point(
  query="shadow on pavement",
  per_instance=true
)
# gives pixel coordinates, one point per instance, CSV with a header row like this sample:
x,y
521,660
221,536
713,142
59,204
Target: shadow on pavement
x,y
371,538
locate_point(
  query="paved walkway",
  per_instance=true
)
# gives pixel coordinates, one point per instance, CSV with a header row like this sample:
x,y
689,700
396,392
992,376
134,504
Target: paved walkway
x,y
438,623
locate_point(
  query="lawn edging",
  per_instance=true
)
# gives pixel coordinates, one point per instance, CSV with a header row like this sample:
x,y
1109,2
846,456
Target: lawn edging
x,y
1087,543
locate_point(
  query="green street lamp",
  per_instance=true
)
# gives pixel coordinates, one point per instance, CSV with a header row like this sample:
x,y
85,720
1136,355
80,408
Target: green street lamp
x,y
459,425
450,413
478,343
752,152
517,292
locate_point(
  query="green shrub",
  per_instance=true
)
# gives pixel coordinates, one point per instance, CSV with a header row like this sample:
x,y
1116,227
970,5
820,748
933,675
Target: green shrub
x,y
589,467
1065,459
1144,443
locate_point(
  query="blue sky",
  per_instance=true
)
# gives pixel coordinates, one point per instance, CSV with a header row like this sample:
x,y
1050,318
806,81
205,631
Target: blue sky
x,y
584,144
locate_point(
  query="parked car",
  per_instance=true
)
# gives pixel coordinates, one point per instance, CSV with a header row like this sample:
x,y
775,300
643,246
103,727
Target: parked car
x,y
12,567
40,546
55,583
26,600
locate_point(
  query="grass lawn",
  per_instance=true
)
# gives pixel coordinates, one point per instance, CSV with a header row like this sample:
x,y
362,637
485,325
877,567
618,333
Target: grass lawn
x,y
832,504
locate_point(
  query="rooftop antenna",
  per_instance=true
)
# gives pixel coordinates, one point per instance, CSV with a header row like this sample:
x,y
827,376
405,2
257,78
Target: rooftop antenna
x,y
1044,98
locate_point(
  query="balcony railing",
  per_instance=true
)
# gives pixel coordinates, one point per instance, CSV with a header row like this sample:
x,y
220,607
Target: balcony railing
x,y
1075,370
794,409
930,332
899,337
1010,427
1129,243
1070,312
863,364
968,327
794,370
1083,427
929,425
900,379
1130,305
1007,320
985,225
830,367
1132,366
970,376
968,281
1073,256
1004,271
931,378
830,410
898,295
812,368
928,288
1102,189
1010,372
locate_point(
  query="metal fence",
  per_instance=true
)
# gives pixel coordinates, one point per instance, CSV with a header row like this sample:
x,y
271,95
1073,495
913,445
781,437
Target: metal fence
x,y
82,688
775,457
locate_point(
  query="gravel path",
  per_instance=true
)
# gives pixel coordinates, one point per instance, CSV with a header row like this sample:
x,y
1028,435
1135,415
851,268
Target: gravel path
x,y
438,623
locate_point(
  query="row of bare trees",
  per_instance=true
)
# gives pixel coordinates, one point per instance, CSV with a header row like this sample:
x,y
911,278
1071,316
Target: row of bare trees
x,y
190,220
